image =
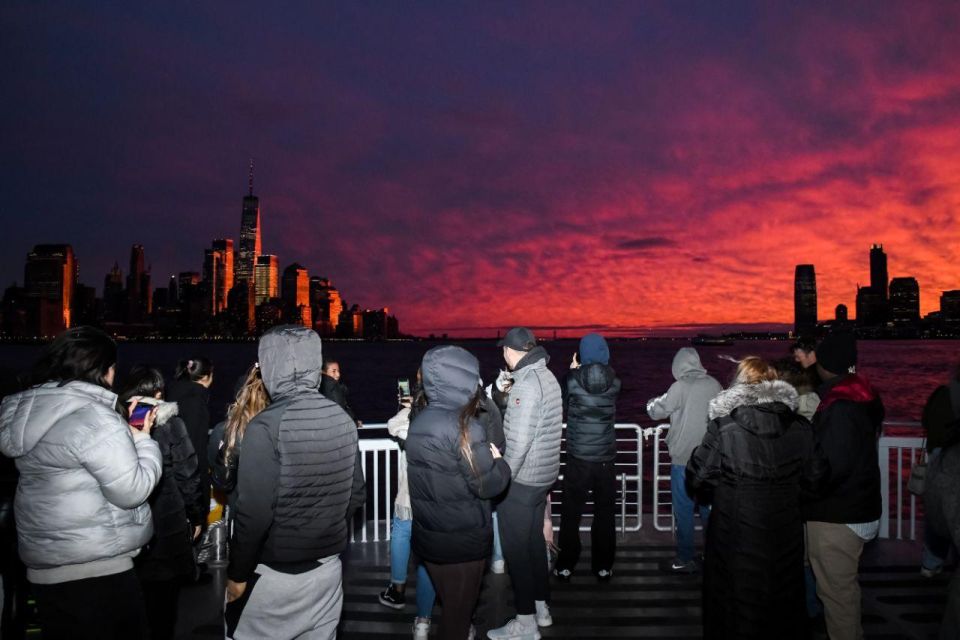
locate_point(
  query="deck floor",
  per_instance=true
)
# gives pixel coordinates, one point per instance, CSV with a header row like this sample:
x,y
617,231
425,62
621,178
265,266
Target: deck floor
x,y
640,602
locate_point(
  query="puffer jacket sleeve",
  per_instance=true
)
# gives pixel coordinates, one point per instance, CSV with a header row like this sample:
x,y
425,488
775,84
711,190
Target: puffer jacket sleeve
x,y
358,492
489,476
704,466
126,466
816,469
520,421
257,481
187,472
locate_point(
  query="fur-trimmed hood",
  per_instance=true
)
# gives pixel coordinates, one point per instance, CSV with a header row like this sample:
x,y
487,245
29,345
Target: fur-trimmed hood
x,y
742,395
166,411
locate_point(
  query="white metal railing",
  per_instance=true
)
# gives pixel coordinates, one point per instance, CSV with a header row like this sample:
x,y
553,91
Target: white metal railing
x,y
890,450
380,460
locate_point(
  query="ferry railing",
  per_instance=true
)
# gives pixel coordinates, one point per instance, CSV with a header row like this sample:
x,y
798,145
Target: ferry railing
x,y
380,455
892,450
899,505
379,458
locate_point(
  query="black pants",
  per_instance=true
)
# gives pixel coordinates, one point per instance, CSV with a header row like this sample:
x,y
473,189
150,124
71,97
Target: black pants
x,y
521,535
580,478
162,598
107,607
458,586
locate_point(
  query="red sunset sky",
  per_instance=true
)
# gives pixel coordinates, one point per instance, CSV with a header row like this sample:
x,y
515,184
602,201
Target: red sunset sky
x,y
479,165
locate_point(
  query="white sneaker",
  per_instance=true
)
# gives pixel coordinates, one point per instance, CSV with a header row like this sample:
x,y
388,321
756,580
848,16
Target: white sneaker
x,y
515,630
544,619
421,628
497,566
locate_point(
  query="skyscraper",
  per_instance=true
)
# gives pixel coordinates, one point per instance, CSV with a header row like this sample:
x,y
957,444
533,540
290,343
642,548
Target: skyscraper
x,y
218,275
950,307
250,246
905,300
326,305
138,287
267,278
878,271
296,295
804,299
50,276
114,303
841,313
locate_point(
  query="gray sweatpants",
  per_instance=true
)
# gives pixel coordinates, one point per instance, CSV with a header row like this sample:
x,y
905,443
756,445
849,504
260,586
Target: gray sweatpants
x,y
305,606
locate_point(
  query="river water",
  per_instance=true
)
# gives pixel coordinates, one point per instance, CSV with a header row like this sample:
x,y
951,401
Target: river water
x,y
905,372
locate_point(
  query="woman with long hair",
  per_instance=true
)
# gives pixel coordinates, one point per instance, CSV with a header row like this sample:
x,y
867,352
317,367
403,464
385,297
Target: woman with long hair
x,y
85,476
227,437
453,472
177,505
755,459
400,529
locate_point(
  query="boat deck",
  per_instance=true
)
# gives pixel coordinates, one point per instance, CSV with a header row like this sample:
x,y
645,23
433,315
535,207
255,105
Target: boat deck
x,y
640,602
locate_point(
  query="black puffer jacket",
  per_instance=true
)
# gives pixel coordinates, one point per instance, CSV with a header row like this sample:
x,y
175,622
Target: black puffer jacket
x,y
193,399
177,504
451,501
755,458
590,403
299,476
338,392
847,425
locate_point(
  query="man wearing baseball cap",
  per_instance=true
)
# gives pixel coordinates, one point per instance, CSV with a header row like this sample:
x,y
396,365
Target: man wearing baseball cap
x,y
532,423
847,424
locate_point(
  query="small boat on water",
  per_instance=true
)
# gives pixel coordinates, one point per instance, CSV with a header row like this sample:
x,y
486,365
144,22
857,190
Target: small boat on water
x,y
711,341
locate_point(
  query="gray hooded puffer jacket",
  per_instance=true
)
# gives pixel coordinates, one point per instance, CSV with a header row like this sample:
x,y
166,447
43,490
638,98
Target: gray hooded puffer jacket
x,y
685,404
84,480
533,422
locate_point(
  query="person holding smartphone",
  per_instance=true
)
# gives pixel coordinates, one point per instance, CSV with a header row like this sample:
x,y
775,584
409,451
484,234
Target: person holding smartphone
x,y
178,506
85,476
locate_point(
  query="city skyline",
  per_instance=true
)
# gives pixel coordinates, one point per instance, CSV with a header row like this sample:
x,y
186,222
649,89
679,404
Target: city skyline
x,y
480,167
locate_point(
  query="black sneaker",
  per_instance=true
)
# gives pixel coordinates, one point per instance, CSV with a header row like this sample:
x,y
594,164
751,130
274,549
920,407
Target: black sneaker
x,y
563,575
393,597
678,566
604,575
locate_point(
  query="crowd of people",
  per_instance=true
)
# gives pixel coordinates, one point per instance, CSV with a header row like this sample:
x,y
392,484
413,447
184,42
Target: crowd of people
x,y
114,487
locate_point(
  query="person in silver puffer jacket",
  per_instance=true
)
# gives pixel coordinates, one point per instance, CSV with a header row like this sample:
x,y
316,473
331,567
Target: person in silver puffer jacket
x,y
85,476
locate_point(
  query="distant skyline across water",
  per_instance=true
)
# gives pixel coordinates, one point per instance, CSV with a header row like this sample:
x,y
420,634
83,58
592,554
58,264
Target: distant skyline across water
x,y
638,168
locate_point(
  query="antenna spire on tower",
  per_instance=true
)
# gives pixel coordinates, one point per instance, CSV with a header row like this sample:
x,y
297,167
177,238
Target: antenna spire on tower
x,y
251,177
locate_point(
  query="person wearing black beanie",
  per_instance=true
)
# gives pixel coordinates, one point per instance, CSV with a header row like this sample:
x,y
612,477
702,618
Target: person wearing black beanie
x,y
847,424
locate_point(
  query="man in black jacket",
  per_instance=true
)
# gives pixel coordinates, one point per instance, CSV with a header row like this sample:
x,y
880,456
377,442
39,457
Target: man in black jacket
x,y
299,479
841,520
590,403
333,388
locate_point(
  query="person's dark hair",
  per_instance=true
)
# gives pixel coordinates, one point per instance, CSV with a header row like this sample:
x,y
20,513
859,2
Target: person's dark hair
x,y
327,362
805,344
469,411
193,369
83,354
143,380
790,371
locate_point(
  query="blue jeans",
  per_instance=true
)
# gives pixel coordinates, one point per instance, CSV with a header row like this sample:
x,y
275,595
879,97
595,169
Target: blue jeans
x,y
683,508
936,548
497,549
400,557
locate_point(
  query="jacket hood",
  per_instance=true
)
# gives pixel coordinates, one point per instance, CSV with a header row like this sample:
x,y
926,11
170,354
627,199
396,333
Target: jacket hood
x,y
290,359
26,417
596,378
533,356
686,364
451,376
166,411
594,349
743,395
852,387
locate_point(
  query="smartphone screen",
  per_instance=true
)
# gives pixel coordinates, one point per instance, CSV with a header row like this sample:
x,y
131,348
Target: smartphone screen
x,y
403,387
139,415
